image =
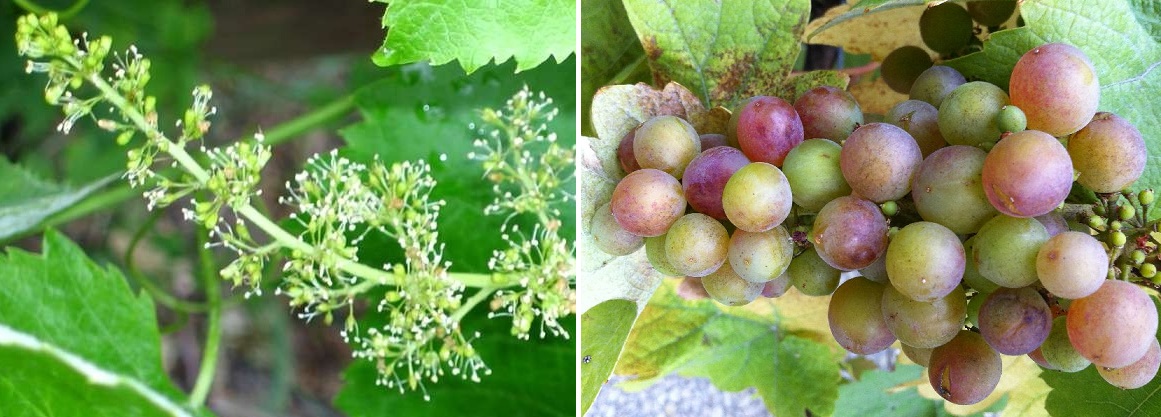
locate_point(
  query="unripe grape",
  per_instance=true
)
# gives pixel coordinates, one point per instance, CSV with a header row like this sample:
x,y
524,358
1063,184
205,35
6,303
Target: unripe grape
x,y
647,202
1114,326
1011,119
625,152
829,113
935,83
1117,238
658,259
609,236
1126,212
1027,174
1146,197
879,160
850,233
726,287
757,197
889,208
1057,87
965,370
1109,152
812,169
1148,270
666,143
967,115
1137,256
921,121
696,244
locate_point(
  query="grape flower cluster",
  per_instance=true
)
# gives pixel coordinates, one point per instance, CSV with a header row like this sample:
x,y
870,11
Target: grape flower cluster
x,y
337,203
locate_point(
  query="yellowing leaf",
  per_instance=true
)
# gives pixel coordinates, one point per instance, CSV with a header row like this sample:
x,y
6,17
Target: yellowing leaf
x,y
876,33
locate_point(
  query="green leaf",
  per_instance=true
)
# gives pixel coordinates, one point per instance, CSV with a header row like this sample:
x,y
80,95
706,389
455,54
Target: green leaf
x,y
423,112
477,31
1125,54
1148,14
604,329
76,342
26,200
609,47
888,393
529,378
735,349
723,50
1085,393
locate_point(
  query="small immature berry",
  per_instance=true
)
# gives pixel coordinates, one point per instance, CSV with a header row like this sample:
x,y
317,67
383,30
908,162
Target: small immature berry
x,y
1146,196
1117,238
1126,212
1149,271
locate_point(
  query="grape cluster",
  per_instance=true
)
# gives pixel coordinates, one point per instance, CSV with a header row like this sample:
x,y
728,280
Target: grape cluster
x,y
953,212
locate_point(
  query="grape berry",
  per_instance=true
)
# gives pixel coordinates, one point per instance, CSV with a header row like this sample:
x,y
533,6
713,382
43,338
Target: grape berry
x,y
956,213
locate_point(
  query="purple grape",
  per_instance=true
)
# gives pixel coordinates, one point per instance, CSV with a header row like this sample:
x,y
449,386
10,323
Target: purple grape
x,y
828,113
766,129
706,176
850,233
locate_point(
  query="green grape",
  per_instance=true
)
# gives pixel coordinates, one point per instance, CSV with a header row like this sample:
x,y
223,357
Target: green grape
x,y
757,197
1015,321
609,236
854,317
902,66
1038,357
973,308
655,252
1072,265
696,245
1114,326
967,116
666,143
1011,119
1058,352
761,256
877,271
811,275
1148,270
948,189
726,287
945,28
1136,374
921,356
1005,250
812,169
934,84
971,270
991,12
925,261
920,324
965,370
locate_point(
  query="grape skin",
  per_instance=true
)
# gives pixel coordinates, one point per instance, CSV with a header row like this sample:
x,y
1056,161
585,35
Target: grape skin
x,y
812,169
921,121
666,143
1072,265
761,256
1057,87
696,245
1114,326
828,112
609,236
925,261
1005,250
712,140
625,155
811,275
965,370
934,84
766,129
1027,174
1137,374
850,233
948,189
726,287
853,317
757,197
1109,152
1057,350
658,259
879,160
777,286
876,271
706,177
920,324
967,116
1015,321
647,201
921,356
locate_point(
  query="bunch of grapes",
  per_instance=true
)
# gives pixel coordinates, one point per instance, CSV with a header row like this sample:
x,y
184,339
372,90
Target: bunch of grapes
x,y
952,212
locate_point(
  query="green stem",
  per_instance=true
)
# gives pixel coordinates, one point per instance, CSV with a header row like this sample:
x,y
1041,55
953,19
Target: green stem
x,y
209,274
32,7
160,295
471,303
307,122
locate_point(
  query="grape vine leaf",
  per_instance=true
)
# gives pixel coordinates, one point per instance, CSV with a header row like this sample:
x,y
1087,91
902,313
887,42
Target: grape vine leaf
x,y
1085,393
603,334
424,112
876,32
1126,55
86,347
735,349
475,32
26,200
609,47
1148,14
530,378
724,50
888,393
